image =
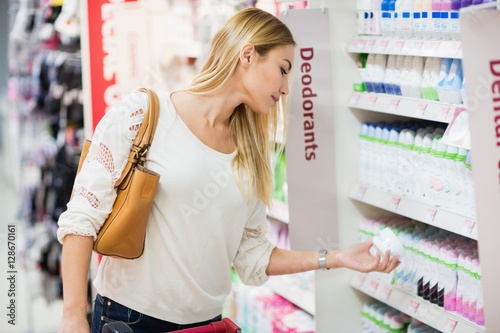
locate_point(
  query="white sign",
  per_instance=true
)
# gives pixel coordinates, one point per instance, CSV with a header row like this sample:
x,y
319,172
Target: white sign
x,y
310,143
481,59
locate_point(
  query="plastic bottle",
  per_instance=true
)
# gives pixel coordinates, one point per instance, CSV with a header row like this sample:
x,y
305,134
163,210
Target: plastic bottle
x,y
425,176
467,290
474,290
480,299
415,78
407,19
436,19
443,74
453,84
398,18
398,68
390,176
454,24
445,19
463,93
426,77
456,202
363,17
378,73
437,171
392,20
405,74
434,79
426,19
389,74
434,272
417,19
469,195
376,17
450,280
450,177
386,17
359,85
369,69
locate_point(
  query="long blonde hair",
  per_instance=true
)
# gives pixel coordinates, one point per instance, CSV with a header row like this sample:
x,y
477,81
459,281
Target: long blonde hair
x,y
254,134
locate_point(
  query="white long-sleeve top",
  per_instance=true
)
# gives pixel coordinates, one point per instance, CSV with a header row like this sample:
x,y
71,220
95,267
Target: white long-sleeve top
x,y
199,225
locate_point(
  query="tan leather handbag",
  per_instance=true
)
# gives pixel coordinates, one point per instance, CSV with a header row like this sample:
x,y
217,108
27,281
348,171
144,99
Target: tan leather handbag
x,y
124,231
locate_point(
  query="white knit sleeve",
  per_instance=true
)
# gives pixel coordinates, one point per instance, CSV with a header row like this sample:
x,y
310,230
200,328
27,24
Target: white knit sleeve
x,y
255,249
93,191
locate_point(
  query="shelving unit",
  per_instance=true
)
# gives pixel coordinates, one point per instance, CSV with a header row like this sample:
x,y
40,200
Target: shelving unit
x,y
288,288
338,309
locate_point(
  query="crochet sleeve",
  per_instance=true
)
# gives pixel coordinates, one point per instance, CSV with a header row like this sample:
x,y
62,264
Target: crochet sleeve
x,y
93,191
255,249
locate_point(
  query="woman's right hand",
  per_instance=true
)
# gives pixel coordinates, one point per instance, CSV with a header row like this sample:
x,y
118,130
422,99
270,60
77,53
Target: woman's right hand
x,y
74,324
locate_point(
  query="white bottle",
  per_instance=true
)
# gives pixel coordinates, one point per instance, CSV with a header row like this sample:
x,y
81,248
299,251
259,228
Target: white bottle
x,y
469,195
417,159
474,290
445,19
363,153
376,16
389,74
390,178
436,19
443,74
406,167
415,77
417,19
400,60
407,19
363,17
379,72
453,84
456,202
426,79
426,17
434,79
405,74
480,299
450,280
450,177
425,174
398,19
369,73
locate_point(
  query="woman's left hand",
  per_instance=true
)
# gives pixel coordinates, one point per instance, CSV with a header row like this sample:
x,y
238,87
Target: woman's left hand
x,y
357,257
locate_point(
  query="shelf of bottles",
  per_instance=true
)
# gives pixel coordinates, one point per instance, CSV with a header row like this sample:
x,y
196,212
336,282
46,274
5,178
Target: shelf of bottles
x,y
414,306
296,288
418,210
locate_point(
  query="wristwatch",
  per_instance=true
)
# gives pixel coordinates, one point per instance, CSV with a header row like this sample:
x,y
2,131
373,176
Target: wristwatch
x,y
322,260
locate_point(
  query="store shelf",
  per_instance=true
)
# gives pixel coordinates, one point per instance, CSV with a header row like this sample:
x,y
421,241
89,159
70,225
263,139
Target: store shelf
x,y
414,306
412,47
288,287
432,215
278,211
403,106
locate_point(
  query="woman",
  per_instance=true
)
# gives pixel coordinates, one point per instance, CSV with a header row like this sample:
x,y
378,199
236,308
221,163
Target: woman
x,y
211,148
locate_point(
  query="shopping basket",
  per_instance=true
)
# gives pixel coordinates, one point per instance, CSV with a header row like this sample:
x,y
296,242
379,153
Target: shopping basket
x,y
226,325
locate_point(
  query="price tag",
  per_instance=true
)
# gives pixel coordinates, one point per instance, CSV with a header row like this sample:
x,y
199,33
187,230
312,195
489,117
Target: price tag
x,y
412,307
443,112
417,47
449,325
359,281
372,100
386,293
430,215
398,46
468,226
453,48
360,44
372,287
420,110
380,45
434,47
393,105
353,46
394,204
354,99
360,193
369,45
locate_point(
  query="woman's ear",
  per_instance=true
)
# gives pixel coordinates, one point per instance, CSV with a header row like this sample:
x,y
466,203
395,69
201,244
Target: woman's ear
x,y
247,52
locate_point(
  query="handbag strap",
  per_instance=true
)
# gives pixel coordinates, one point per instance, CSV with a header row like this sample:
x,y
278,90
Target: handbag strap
x,y
144,136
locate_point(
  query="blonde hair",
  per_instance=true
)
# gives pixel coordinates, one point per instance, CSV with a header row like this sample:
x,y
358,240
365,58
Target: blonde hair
x,y
254,134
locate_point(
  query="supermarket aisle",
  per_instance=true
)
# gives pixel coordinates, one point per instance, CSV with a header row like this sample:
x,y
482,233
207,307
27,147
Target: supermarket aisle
x,y
33,313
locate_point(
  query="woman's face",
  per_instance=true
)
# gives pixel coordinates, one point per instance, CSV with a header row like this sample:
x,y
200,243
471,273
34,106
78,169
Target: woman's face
x,y
267,77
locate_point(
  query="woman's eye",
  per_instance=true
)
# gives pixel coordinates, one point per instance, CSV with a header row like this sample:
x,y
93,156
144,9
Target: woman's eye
x,y
283,71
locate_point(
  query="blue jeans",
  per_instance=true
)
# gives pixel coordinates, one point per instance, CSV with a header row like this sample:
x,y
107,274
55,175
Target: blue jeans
x,y
107,311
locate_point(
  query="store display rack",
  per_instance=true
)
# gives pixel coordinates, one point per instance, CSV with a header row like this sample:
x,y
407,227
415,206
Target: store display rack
x,y
411,47
414,306
419,211
286,287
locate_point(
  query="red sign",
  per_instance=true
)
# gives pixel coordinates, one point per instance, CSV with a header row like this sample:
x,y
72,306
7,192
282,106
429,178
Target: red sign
x,y
101,57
